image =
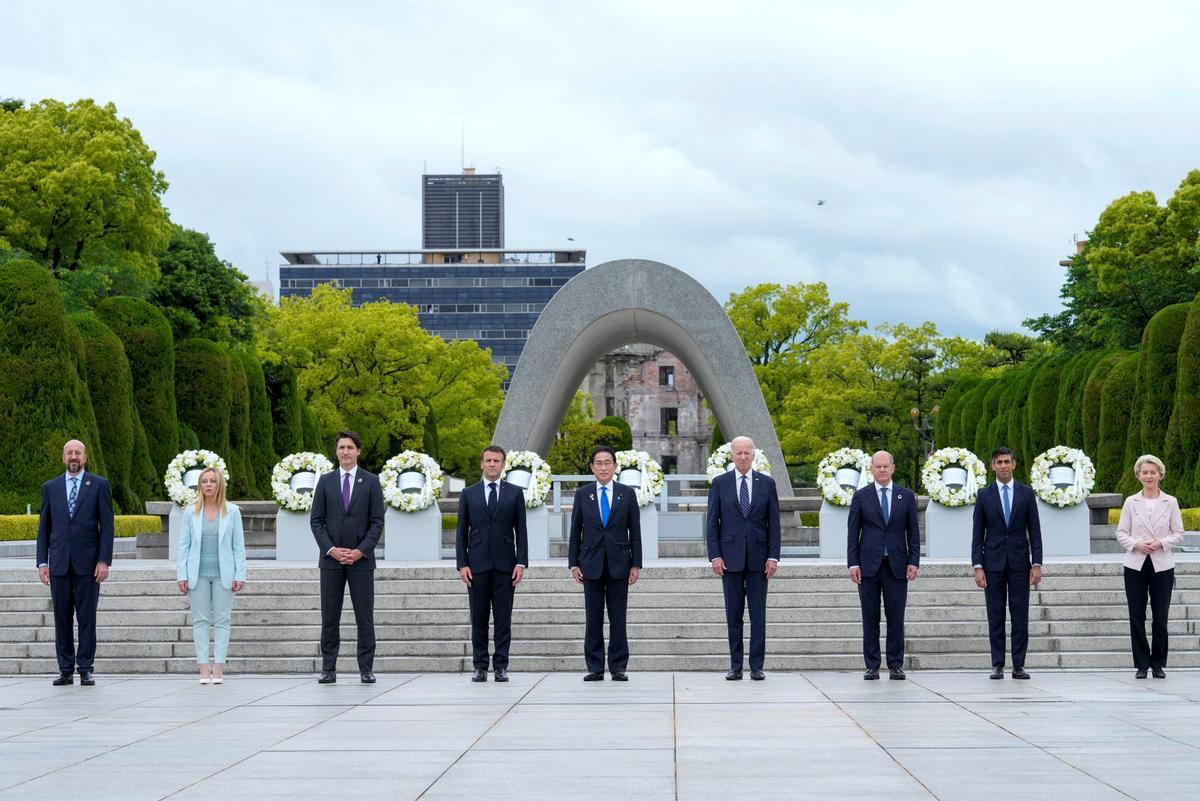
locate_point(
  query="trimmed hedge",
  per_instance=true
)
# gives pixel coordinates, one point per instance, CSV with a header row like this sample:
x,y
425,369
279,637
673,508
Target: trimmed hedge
x,y
14,528
1182,452
150,348
1116,402
1093,388
948,428
1154,397
622,425
261,455
110,386
987,426
242,483
42,393
203,394
287,417
1012,434
1041,406
1068,420
1191,518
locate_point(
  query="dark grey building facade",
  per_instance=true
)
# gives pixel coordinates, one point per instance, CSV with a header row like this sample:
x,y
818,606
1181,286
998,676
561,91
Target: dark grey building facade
x,y
462,211
491,296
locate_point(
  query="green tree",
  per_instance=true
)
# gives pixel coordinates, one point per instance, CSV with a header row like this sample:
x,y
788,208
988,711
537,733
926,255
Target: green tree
x,y
1012,348
287,413
626,432
1140,258
1182,454
462,390
1116,403
42,391
204,397
150,348
1041,405
260,449
78,187
1093,391
572,449
202,295
242,481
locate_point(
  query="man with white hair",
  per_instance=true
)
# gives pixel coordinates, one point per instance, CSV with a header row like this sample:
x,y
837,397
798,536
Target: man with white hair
x,y
743,546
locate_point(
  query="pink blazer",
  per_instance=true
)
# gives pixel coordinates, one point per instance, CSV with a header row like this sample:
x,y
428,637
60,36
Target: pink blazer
x,y
1137,523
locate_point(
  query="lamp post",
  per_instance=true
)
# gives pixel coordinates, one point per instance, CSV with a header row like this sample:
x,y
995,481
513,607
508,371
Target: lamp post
x,y
923,422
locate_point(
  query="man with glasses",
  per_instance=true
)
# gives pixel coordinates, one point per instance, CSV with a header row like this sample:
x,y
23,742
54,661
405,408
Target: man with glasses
x,y
605,555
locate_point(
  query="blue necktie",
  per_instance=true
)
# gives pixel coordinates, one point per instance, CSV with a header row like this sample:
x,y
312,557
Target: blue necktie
x,y
491,501
744,498
604,507
887,513
1007,505
72,496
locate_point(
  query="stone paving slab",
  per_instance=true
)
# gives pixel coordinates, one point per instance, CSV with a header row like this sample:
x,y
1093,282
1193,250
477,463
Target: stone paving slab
x,y
827,736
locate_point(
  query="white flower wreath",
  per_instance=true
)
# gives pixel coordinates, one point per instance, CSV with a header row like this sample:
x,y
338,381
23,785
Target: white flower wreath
x,y
721,461
411,462
1062,496
177,491
652,474
827,470
938,461
539,470
281,479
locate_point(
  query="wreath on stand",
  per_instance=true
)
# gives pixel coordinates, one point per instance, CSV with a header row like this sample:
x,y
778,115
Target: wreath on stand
x,y
721,461
935,486
292,498
827,474
183,464
401,488
1060,493
538,486
651,471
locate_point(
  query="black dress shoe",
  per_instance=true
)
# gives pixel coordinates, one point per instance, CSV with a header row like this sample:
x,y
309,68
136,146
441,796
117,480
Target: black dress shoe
x,y
594,677
1019,673
480,674
757,675
619,675
896,673
871,674
366,677
1159,673
734,675
85,678
501,674
64,679
327,677
997,672
1141,673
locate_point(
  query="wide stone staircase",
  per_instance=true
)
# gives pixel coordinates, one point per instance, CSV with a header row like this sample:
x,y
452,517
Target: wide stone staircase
x,y
676,621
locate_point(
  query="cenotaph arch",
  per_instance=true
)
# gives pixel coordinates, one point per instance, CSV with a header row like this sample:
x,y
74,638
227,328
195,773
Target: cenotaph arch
x,y
625,302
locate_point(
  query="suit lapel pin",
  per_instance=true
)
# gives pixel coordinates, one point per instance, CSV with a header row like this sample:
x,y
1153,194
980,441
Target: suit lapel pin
x,y
359,481
87,483
591,497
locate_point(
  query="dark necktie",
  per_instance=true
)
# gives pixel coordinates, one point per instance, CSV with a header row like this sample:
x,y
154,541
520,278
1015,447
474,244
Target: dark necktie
x,y
1007,505
345,492
72,496
887,513
491,502
604,507
744,498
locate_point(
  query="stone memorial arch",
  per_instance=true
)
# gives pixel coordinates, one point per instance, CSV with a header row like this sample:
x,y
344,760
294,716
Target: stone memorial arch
x,y
625,302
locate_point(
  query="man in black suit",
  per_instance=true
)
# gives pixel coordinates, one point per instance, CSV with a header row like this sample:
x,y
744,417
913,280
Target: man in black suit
x,y
604,553
883,552
492,553
74,550
743,546
1006,550
347,521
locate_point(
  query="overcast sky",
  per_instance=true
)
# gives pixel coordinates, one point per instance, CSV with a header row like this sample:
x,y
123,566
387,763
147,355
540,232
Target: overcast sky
x,y
958,146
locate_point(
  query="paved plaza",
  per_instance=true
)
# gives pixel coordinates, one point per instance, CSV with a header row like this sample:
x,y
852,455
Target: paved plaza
x,y
816,735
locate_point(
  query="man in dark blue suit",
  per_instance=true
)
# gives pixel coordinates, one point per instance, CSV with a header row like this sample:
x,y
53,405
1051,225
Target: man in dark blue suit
x,y
492,552
74,550
883,552
743,546
347,521
1006,550
604,553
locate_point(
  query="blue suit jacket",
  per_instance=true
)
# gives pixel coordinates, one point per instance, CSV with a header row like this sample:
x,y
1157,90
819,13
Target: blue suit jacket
x,y
75,543
591,541
492,542
231,547
996,546
867,532
745,543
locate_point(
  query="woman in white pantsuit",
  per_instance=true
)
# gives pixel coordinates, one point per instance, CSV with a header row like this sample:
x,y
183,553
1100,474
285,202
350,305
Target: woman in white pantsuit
x,y
211,568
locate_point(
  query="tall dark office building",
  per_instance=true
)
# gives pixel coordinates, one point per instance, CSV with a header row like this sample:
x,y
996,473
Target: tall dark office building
x,y
462,211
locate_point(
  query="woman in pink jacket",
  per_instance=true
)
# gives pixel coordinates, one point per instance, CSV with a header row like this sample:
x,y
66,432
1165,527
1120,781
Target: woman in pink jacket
x,y
1150,526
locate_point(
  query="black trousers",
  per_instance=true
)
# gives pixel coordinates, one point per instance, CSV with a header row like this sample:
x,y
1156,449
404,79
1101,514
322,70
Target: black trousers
x,y
598,594
491,594
74,598
362,596
1158,586
742,587
1009,588
894,592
